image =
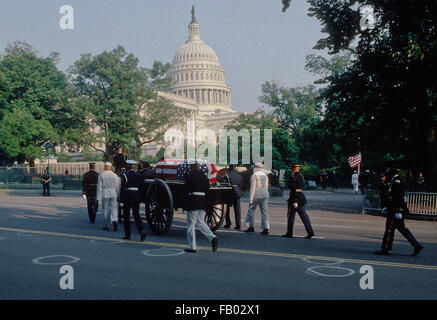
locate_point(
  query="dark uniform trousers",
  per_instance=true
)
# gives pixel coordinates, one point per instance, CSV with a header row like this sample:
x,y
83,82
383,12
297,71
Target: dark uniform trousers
x,y
131,198
92,206
46,189
136,213
235,179
390,226
297,196
237,210
303,216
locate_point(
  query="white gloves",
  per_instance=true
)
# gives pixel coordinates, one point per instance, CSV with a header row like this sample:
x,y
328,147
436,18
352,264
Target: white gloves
x,y
84,196
294,204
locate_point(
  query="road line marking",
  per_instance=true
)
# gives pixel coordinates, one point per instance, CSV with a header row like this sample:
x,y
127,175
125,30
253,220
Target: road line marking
x,y
229,250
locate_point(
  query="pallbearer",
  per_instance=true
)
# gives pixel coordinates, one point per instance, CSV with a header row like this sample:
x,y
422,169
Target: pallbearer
x,y
296,203
130,198
89,190
396,209
107,191
119,163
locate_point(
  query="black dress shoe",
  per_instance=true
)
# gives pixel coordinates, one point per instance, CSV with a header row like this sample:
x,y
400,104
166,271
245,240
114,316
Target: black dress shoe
x,y
114,225
189,250
382,253
251,229
226,226
214,244
237,228
416,251
105,228
309,236
265,232
143,235
287,235
126,238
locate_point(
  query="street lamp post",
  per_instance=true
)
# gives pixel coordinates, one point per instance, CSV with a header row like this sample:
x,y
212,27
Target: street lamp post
x,y
48,146
133,144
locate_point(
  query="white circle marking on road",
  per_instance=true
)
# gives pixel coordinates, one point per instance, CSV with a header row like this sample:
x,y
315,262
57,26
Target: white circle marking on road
x,y
163,252
71,258
323,263
312,270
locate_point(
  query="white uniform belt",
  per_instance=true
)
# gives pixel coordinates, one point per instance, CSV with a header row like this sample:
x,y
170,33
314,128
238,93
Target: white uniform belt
x,y
197,193
132,189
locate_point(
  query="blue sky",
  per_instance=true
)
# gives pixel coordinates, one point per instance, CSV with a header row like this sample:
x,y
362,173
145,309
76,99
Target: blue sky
x,y
254,40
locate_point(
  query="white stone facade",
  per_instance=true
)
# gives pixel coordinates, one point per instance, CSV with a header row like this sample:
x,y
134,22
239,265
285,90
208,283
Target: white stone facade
x,y
199,86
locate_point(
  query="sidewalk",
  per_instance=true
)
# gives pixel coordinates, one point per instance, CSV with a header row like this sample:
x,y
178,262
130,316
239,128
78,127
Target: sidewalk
x,y
38,192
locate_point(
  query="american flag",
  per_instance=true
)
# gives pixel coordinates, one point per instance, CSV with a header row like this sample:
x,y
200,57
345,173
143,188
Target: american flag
x,y
354,161
179,168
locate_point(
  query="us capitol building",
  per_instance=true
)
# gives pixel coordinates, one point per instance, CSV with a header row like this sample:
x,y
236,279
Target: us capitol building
x,y
199,85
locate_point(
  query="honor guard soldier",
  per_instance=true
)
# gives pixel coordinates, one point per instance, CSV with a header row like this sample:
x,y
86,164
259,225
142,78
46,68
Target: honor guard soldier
x,y
130,198
235,179
296,203
119,164
89,191
45,180
396,210
196,188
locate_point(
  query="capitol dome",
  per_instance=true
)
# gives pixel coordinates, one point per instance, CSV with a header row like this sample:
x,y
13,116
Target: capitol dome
x,y
197,74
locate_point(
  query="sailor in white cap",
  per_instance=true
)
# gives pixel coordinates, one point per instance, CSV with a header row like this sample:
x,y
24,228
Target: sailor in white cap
x,y
130,197
108,186
259,196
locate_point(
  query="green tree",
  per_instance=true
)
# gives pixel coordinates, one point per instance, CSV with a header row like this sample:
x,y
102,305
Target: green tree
x,y
293,108
118,101
31,89
385,102
284,149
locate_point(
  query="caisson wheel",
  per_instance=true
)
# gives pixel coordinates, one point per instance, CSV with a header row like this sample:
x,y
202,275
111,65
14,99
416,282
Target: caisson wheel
x,y
159,207
215,215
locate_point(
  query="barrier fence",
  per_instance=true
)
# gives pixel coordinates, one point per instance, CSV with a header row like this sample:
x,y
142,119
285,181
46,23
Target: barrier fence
x,y
66,175
418,203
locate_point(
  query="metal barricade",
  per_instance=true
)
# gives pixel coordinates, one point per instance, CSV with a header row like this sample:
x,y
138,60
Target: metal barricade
x,y
418,203
422,203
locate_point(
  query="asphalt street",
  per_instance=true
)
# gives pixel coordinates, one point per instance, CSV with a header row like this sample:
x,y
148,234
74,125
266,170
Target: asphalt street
x,y
39,234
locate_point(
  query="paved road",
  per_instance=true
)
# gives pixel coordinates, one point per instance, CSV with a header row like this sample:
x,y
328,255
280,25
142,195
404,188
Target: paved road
x,y
247,266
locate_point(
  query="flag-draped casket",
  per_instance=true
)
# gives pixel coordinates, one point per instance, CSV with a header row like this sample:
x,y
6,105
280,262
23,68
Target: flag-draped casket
x,y
178,169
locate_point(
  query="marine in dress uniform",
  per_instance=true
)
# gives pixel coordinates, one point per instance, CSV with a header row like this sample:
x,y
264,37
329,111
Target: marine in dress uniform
x,y
130,198
396,210
45,180
196,189
119,164
235,179
296,203
89,190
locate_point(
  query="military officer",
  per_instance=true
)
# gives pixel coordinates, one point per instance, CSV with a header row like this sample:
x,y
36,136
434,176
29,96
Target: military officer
x,y
130,198
89,191
119,164
296,203
45,180
396,210
196,188
235,180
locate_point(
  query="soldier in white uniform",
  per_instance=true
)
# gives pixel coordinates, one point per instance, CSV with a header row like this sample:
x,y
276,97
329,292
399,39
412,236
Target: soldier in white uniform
x,y
108,186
